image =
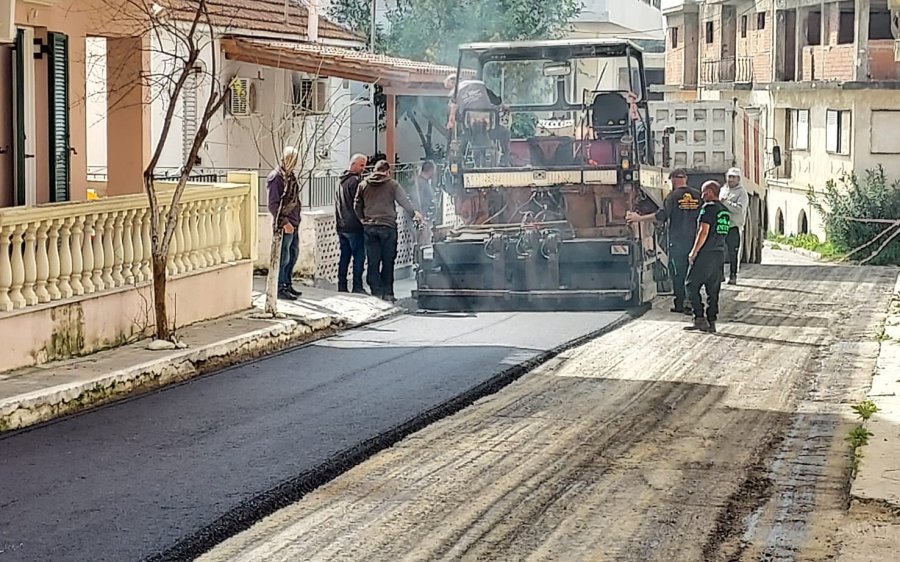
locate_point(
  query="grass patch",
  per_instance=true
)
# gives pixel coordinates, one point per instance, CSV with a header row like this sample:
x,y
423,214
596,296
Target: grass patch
x,y
809,242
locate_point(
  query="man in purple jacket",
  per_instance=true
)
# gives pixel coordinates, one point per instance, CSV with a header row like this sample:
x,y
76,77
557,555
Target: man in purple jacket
x,y
284,206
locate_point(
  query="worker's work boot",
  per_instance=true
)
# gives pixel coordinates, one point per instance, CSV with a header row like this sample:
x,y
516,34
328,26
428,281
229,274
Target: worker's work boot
x,y
732,279
699,325
712,327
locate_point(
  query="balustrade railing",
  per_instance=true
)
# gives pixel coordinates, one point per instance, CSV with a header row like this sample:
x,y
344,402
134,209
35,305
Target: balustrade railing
x,y
54,252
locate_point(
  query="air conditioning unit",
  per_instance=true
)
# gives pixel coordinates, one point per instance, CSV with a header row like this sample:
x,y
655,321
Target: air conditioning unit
x,y
7,21
241,96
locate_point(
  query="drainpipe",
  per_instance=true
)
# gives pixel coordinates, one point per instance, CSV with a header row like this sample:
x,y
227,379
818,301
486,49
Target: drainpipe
x,y
312,21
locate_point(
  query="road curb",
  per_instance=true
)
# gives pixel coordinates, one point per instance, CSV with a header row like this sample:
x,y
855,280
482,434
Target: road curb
x,y
876,482
46,405
246,514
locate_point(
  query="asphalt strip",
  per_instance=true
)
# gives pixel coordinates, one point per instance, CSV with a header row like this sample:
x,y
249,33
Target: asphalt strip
x,y
247,513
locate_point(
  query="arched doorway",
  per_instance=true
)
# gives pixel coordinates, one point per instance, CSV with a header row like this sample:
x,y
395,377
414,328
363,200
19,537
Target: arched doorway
x,y
802,223
779,222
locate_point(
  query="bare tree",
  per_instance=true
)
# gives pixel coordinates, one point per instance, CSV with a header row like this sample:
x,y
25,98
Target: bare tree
x,y
187,29
312,120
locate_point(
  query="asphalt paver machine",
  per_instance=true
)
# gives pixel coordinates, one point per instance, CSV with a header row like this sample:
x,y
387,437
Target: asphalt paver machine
x,y
541,182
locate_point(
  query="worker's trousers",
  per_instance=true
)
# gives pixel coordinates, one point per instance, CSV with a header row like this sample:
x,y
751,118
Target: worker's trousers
x,y
706,272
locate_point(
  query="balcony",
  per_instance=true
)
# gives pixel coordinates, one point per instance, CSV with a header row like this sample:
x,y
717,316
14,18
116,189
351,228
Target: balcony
x,y
727,71
838,62
75,277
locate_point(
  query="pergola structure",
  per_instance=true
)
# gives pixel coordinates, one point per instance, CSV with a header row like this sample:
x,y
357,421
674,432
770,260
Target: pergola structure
x,y
396,76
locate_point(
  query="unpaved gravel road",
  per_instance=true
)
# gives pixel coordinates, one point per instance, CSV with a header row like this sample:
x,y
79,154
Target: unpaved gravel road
x,y
648,443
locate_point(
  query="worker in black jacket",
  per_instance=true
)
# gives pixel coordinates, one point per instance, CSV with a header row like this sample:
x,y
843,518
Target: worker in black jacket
x,y
349,228
680,209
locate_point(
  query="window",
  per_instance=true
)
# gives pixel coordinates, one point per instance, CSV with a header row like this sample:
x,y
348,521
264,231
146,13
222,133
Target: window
x,y
760,20
799,129
673,35
743,27
847,28
309,95
709,32
837,132
884,138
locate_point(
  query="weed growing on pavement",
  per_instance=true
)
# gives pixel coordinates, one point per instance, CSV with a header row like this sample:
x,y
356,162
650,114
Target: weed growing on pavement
x,y
859,435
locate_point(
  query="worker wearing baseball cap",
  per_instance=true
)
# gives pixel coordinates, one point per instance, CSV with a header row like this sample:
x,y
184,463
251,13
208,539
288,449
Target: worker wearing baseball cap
x,y
680,209
736,200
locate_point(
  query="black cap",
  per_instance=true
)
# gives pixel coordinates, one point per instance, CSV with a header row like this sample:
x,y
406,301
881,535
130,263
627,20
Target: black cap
x,y
678,173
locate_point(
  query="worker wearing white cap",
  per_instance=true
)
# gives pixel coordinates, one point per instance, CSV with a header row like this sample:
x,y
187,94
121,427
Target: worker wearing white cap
x,y
736,200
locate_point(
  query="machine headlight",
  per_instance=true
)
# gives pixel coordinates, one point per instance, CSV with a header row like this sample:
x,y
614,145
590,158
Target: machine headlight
x,y
428,253
625,164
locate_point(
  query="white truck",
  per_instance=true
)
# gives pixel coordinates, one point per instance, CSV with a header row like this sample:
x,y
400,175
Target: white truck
x,y
706,138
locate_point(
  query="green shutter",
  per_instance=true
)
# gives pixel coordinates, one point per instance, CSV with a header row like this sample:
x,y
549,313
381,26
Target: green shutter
x,y
58,69
19,116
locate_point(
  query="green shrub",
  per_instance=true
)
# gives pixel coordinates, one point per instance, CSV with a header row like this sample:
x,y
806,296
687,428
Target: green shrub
x,y
873,197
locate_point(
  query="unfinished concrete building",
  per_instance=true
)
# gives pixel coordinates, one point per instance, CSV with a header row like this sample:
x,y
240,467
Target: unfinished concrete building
x,y
824,77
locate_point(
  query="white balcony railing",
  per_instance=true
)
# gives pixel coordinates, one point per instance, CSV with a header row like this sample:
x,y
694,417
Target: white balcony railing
x,y
55,252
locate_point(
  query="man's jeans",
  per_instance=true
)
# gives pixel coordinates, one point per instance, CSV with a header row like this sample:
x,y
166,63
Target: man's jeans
x,y
290,246
706,272
678,265
381,253
733,243
353,246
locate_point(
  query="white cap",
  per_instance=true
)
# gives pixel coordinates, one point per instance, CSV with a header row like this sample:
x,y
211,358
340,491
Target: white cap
x,y
736,172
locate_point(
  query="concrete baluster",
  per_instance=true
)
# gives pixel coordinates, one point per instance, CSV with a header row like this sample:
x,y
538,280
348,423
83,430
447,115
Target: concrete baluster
x,y
128,243
65,259
118,247
81,275
30,261
238,223
88,257
17,267
43,262
180,243
226,242
197,258
146,270
105,229
5,269
214,230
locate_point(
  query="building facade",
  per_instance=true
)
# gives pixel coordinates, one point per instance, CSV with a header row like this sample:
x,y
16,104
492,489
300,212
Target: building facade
x,y
823,76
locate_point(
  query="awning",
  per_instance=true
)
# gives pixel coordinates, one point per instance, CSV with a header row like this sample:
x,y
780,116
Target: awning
x,y
397,76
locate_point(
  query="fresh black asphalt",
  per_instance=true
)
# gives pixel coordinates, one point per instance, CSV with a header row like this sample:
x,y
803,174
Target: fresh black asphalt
x,y
160,474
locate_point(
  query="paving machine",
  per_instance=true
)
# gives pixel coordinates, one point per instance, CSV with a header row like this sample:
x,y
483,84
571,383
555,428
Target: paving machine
x,y
541,179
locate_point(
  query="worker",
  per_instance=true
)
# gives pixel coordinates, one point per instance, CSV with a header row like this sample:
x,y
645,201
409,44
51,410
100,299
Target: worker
x,y
474,95
423,198
707,258
736,200
680,209
376,206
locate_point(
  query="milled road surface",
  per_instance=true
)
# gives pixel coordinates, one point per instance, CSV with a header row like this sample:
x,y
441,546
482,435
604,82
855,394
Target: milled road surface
x,y
134,479
648,443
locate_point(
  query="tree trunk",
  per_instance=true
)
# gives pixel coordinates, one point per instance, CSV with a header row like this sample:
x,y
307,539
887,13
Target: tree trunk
x,y
163,329
272,277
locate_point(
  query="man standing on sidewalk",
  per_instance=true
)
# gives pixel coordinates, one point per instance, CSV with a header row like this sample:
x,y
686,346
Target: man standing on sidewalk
x,y
376,207
681,209
349,228
736,200
284,206
708,258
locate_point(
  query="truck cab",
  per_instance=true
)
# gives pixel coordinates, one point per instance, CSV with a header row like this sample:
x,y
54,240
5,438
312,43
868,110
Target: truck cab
x,y
541,177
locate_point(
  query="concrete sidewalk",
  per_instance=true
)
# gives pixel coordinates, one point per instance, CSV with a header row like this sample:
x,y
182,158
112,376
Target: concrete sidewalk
x,y
879,474
37,394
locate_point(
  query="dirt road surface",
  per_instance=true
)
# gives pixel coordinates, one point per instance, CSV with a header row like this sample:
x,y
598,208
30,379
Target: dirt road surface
x,y
648,443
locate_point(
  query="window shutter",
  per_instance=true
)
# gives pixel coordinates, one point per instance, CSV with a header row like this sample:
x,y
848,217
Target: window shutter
x,y
19,113
58,69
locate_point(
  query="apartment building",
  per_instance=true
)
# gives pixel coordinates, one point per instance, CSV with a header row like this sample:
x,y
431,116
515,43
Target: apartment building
x,y
824,77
